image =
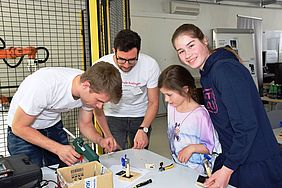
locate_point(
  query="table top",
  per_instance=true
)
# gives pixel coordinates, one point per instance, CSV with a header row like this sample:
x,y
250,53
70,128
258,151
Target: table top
x,y
278,134
265,98
179,176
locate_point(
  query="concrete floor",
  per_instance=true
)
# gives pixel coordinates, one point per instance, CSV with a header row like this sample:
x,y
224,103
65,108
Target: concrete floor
x,y
158,140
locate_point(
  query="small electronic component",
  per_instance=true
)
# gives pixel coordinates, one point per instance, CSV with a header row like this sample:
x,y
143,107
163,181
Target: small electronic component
x,y
127,170
149,165
120,173
207,165
201,180
126,174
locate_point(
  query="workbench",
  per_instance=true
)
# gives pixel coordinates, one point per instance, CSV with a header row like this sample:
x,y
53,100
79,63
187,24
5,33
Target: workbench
x,y
272,102
179,176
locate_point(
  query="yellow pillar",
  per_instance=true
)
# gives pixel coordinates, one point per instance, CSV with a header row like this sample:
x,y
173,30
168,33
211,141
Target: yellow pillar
x,y
94,38
94,29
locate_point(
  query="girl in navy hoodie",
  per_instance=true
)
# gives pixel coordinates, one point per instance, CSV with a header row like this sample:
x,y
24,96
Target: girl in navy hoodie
x,y
251,156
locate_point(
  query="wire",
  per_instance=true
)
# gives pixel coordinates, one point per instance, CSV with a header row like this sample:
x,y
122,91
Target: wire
x,y
47,182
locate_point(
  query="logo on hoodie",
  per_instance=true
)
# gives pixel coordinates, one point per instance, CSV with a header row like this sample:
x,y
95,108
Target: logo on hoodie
x,y
210,100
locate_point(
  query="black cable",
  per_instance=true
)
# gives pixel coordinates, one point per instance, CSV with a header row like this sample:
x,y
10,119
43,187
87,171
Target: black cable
x,y
38,61
14,66
46,182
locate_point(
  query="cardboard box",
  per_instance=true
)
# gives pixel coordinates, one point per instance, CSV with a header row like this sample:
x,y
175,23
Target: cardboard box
x,y
90,175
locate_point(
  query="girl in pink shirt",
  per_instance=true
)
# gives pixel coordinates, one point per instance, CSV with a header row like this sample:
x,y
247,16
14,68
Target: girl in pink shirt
x,y
190,131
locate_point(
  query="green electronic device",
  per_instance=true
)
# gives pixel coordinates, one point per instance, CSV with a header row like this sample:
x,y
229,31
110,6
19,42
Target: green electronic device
x,y
83,149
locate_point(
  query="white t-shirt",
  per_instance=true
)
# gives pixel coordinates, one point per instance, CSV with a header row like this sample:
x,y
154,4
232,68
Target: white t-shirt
x,y
45,94
134,101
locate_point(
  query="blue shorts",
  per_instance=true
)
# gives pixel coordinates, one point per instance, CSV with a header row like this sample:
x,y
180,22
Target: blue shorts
x,y
38,155
124,129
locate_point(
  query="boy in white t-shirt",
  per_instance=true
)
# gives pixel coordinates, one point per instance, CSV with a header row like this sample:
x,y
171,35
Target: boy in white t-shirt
x,y
34,117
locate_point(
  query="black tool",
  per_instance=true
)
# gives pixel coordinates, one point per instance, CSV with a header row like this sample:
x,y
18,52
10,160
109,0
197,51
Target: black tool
x,y
164,168
143,183
161,168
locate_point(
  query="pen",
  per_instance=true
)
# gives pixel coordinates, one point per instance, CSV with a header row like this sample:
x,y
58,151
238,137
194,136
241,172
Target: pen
x,y
143,183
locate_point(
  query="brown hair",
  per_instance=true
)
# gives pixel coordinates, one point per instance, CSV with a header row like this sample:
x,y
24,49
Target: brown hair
x,y
189,29
126,40
104,78
195,32
175,77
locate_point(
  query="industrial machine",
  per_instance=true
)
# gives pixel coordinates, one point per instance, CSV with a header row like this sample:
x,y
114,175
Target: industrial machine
x,y
20,52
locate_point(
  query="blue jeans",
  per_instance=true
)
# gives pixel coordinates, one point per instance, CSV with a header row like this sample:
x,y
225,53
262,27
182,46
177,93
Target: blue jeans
x,y
124,129
38,155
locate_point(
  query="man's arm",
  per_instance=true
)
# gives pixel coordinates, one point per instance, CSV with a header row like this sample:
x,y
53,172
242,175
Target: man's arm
x,y
141,139
87,128
21,127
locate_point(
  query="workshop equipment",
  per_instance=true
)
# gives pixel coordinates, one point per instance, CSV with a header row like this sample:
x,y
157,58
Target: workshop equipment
x,y
207,165
164,168
127,168
127,174
143,183
17,171
15,52
83,149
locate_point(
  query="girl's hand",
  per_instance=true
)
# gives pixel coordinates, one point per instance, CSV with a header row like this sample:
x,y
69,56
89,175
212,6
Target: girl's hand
x,y
185,154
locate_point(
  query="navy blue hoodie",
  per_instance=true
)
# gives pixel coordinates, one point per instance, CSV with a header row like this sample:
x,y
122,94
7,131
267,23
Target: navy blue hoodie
x,y
237,112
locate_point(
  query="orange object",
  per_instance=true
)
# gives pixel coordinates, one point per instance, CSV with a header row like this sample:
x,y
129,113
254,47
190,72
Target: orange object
x,y
4,100
14,52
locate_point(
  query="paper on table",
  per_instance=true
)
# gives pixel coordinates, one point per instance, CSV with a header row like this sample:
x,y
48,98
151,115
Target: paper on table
x,y
123,184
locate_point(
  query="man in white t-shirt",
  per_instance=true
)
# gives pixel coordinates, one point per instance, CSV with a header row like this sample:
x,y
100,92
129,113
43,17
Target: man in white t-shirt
x,y
34,117
131,118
